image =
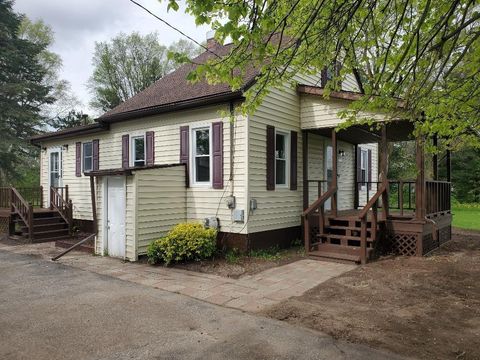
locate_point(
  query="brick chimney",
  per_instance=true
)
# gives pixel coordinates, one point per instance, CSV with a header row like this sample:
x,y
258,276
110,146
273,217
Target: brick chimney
x,y
211,42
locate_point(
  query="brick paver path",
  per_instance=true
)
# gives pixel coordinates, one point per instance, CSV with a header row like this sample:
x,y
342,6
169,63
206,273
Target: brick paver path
x,y
249,293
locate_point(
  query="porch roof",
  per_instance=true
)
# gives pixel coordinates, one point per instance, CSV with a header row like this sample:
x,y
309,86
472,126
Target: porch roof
x,y
399,130
128,171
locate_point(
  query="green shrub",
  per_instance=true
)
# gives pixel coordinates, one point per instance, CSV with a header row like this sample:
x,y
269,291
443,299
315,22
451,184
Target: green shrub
x,y
184,242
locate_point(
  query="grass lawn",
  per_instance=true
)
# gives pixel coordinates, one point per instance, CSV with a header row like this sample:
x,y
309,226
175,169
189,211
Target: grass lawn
x,y
466,217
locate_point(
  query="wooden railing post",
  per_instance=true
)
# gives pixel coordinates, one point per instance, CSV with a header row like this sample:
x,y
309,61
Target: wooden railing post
x,y
41,196
306,230
334,172
363,240
420,203
12,197
30,222
400,196
66,192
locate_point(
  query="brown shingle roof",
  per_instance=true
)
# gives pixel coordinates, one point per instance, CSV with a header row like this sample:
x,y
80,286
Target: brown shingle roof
x,y
173,91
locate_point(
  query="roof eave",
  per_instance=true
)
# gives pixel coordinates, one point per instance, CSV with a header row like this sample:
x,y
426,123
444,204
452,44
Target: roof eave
x,y
176,106
69,133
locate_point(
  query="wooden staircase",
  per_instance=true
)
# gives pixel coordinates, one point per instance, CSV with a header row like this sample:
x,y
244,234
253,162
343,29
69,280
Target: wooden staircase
x,y
33,223
344,236
48,225
341,238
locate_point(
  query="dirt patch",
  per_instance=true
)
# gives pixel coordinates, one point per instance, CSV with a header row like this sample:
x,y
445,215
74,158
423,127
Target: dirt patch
x,y
427,308
243,265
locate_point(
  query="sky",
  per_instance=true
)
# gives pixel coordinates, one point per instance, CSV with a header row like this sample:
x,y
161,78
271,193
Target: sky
x,y
78,24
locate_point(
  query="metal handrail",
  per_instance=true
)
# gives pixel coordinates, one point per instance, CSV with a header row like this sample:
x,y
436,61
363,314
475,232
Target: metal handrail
x,y
55,258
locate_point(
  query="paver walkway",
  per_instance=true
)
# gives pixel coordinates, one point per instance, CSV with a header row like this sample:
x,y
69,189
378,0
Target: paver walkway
x,y
249,293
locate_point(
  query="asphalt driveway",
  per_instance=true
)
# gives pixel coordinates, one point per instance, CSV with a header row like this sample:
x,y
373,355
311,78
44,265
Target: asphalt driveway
x,y
52,311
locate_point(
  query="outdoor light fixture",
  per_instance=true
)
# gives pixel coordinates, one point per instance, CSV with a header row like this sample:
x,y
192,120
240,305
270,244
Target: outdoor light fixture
x,y
341,153
65,146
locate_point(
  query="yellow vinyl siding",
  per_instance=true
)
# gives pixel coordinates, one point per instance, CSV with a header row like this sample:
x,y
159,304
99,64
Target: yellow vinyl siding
x,y
201,201
161,203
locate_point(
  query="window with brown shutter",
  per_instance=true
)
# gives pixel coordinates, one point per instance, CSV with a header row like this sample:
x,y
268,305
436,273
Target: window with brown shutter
x,y
184,150
217,155
78,159
270,157
150,144
96,154
293,160
125,149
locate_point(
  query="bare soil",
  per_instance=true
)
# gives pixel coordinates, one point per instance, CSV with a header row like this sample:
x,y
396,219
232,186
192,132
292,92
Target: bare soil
x,y
242,264
428,308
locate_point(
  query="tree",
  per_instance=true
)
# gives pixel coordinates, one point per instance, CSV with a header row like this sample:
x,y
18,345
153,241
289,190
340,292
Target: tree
x,y
72,119
425,52
42,34
22,94
128,64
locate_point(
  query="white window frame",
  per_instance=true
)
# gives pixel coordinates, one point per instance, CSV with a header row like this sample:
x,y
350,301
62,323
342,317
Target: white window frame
x,y
364,165
287,159
132,149
193,149
83,156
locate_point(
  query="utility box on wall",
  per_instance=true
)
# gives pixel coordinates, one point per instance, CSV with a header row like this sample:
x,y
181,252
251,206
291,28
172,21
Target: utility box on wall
x,y
238,215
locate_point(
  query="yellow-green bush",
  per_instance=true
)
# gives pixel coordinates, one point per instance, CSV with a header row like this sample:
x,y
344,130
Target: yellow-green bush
x,y
187,241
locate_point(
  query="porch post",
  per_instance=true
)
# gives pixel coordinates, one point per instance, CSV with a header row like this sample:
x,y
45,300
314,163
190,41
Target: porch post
x,y
420,182
355,176
449,166
305,168
334,171
94,204
384,169
435,158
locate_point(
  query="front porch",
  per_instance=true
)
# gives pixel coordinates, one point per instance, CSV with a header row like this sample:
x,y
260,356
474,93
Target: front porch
x,y
383,216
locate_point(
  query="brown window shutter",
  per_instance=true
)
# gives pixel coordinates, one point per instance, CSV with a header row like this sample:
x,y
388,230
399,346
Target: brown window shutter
x,y
369,169
270,157
184,151
125,154
359,166
96,155
217,155
293,160
150,145
78,159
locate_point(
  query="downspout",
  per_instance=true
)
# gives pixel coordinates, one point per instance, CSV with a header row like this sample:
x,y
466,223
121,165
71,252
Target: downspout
x,y
232,146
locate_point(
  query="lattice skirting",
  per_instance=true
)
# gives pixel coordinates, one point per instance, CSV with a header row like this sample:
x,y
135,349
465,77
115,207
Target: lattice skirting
x,y
4,224
403,243
445,234
429,243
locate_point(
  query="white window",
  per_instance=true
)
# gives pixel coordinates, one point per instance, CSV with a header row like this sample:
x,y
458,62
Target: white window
x,y
201,149
87,157
281,158
364,168
138,150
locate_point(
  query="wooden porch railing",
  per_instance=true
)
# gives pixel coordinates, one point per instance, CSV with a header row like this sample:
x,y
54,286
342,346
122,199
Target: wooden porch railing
x,y
314,216
319,187
437,197
5,201
25,210
401,194
372,204
63,206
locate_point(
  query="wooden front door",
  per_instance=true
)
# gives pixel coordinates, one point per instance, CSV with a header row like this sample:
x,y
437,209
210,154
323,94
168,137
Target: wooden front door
x,y
115,216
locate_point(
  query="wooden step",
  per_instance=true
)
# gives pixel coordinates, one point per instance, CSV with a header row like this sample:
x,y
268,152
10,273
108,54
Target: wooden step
x,y
49,220
47,227
342,237
338,252
37,235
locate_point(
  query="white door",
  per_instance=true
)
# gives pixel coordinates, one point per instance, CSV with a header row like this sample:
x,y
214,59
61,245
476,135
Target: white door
x,y
328,172
115,201
55,167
